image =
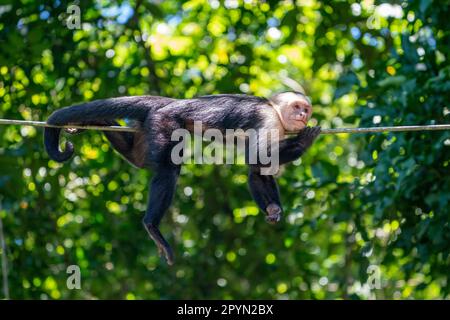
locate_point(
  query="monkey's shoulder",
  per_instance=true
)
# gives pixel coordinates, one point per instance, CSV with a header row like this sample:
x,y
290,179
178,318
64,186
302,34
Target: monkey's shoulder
x,y
271,119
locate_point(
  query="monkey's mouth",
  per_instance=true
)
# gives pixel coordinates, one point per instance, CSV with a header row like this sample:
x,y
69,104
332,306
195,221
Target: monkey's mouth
x,y
300,121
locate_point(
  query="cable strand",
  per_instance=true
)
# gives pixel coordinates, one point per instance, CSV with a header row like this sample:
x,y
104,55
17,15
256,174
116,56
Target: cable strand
x,y
430,127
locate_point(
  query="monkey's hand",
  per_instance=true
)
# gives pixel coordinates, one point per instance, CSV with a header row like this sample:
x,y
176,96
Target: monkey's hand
x,y
273,213
307,136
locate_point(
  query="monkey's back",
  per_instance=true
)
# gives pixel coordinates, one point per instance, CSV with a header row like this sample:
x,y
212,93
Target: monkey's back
x,y
223,111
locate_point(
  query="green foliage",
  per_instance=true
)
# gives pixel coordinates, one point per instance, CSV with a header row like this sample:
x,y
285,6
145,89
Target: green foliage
x,y
410,172
351,203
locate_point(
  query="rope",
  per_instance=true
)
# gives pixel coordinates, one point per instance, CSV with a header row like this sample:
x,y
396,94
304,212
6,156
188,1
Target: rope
x,y
44,124
431,127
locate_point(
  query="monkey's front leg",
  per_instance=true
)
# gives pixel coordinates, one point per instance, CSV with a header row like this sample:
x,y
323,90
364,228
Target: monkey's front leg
x,y
293,148
161,193
265,192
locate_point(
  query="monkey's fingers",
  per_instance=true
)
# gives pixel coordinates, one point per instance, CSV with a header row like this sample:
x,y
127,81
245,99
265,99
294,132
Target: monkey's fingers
x,y
163,247
310,135
306,133
73,130
165,252
315,131
273,213
168,254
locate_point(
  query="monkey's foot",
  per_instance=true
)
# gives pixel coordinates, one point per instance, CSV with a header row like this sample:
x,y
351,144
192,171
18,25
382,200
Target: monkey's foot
x,y
165,252
163,247
72,130
273,213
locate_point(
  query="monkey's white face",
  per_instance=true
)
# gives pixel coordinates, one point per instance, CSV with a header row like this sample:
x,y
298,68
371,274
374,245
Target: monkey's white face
x,y
294,110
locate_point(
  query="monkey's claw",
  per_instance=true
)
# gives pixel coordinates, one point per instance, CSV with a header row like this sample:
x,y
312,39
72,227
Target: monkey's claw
x,y
273,213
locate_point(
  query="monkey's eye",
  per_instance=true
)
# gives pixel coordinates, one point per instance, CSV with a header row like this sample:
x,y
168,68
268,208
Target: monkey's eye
x,y
303,107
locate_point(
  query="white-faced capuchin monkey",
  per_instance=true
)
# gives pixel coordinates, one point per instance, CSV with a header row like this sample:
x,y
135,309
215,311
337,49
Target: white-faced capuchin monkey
x,y
157,117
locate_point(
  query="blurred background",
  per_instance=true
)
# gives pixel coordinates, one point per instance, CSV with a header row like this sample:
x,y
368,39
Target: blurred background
x,y
367,215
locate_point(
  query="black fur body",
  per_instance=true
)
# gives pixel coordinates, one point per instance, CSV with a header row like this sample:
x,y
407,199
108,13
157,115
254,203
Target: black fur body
x,y
150,147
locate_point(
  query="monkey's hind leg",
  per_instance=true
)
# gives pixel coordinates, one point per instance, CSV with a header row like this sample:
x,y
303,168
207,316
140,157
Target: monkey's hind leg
x,y
161,193
264,190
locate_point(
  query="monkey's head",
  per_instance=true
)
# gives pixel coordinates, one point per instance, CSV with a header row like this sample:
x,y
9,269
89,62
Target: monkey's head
x,y
293,108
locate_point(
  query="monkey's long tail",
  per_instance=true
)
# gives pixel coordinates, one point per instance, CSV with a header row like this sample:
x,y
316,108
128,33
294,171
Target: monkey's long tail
x,y
135,108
